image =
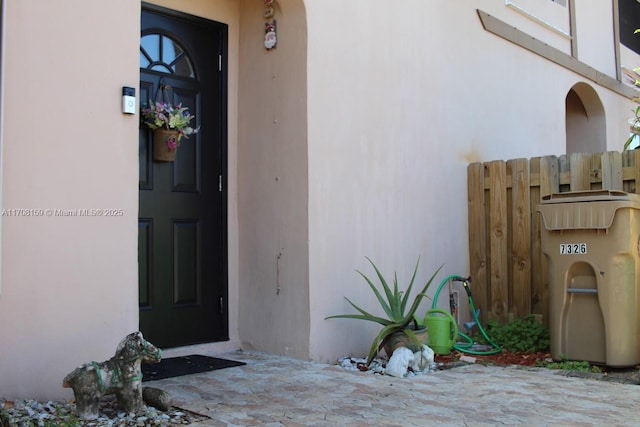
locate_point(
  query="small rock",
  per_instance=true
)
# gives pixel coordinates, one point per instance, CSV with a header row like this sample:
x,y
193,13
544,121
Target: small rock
x,y
157,398
467,359
399,362
346,363
422,360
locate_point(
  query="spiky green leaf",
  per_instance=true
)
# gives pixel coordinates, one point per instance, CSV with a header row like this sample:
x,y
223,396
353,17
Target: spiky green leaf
x,y
412,337
386,288
395,303
365,315
413,278
379,340
628,142
422,294
385,306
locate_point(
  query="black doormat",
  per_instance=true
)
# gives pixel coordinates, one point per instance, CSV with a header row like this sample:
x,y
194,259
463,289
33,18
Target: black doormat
x,y
185,365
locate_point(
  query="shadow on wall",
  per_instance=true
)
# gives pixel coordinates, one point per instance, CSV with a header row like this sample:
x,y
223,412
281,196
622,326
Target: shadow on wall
x,y
585,121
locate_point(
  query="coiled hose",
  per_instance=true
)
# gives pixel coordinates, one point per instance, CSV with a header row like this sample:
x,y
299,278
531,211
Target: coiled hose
x,y
466,346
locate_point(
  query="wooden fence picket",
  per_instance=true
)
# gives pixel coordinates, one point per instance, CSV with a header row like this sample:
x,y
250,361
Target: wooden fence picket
x,y
498,232
477,233
521,237
507,266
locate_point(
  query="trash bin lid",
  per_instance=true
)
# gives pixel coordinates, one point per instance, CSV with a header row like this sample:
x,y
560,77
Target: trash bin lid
x,y
582,210
590,196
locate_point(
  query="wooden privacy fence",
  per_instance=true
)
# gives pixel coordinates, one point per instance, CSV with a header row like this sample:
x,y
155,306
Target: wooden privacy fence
x,y
509,276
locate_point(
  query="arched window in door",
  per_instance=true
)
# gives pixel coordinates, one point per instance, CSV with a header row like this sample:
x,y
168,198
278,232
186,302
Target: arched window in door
x,y
585,121
160,52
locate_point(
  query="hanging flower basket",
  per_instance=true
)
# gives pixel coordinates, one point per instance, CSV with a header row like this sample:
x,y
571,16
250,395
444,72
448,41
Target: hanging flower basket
x,y
170,123
165,144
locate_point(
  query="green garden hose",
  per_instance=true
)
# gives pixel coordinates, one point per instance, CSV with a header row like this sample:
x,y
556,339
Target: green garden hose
x,y
466,347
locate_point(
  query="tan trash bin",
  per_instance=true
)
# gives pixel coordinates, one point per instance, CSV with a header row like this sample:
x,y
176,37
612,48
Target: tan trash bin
x,y
591,240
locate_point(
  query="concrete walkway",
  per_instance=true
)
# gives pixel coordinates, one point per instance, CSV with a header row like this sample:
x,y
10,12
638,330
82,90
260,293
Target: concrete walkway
x,y
278,391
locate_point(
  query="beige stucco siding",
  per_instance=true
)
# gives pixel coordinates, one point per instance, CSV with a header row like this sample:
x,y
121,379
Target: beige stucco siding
x,y
350,139
398,107
69,284
273,183
70,290
595,38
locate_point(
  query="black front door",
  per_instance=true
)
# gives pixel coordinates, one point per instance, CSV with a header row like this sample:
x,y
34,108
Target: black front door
x,y
182,251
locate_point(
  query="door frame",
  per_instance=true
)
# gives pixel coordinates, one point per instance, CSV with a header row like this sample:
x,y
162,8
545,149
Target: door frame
x,y
222,135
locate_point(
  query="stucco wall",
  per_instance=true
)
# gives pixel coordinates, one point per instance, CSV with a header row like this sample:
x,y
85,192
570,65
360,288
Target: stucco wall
x,y
350,139
70,289
400,102
543,19
69,284
273,183
595,38
268,280
629,58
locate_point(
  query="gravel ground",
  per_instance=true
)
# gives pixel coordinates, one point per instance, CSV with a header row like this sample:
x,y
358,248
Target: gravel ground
x,y
31,413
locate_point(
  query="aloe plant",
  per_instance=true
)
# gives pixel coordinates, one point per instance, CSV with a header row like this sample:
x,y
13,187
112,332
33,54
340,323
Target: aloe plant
x,y
394,303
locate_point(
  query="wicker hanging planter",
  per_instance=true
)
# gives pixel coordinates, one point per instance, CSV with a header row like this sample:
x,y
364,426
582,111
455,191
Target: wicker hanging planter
x,y
169,122
165,144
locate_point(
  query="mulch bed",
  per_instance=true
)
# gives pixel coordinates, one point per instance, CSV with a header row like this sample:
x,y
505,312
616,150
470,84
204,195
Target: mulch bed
x,y
629,375
501,359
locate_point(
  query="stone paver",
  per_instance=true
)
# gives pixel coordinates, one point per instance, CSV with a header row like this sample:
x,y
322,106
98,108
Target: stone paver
x,y
278,391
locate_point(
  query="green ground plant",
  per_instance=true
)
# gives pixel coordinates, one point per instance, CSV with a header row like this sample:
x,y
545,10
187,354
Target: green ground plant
x,y
570,365
524,335
529,336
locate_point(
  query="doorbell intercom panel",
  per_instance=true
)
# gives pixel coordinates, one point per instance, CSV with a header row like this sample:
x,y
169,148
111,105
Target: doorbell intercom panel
x,y
128,100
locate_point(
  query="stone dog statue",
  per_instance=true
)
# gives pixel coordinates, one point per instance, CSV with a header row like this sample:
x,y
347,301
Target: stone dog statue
x,y
121,375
